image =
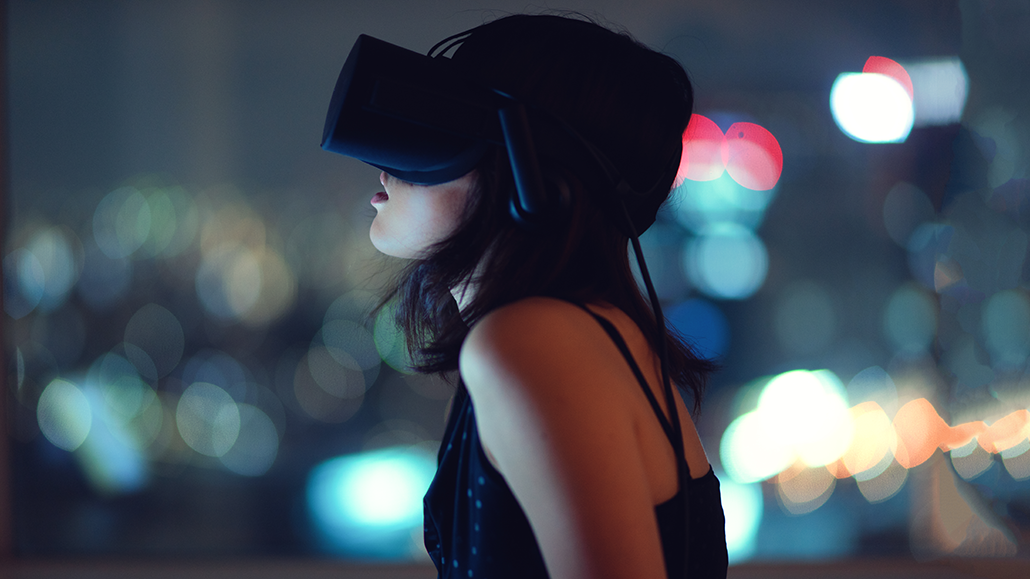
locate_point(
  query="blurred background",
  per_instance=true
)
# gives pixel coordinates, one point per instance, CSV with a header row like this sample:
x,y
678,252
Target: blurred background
x,y
191,373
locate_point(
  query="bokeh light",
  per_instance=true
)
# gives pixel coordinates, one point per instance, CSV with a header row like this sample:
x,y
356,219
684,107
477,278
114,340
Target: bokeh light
x,y
111,456
742,505
703,158
208,419
699,204
871,107
885,484
971,460
753,156
174,223
121,222
24,283
887,67
54,248
229,281
905,208
390,341
369,504
64,414
257,445
157,333
910,320
1017,460
325,389
726,261
802,490
1006,328
940,88
702,324
873,442
129,407
104,280
811,410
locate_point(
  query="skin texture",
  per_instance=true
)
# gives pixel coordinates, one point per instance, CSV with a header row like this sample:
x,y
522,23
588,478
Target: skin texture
x,y
559,411
414,217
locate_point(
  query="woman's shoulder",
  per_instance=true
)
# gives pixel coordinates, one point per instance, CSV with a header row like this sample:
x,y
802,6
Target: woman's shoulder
x,y
535,341
533,322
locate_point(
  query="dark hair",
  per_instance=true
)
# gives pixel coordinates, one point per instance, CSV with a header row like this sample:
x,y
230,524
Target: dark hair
x,y
630,103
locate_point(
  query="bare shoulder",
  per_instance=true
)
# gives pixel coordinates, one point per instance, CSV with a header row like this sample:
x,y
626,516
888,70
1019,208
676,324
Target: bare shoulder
x,y
534,335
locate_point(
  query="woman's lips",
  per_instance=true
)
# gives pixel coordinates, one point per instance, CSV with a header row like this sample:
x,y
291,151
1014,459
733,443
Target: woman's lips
x,y
380,197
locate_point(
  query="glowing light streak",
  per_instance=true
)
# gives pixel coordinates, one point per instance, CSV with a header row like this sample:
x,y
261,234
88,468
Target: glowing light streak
x,y
801,422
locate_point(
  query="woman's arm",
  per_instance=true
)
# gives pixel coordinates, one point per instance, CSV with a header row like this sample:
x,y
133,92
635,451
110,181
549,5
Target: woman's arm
x,y
550,392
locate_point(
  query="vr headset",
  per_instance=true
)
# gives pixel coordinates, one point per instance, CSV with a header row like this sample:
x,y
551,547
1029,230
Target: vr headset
x,y
419,119
422,120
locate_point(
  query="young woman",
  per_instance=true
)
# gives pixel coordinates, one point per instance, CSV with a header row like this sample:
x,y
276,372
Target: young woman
x,y
562,456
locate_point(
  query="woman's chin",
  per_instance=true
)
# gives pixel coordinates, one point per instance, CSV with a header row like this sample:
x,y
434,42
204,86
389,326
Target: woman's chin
x,y
389,246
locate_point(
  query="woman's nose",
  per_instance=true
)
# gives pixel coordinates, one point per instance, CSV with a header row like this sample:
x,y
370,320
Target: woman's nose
x,y
382,178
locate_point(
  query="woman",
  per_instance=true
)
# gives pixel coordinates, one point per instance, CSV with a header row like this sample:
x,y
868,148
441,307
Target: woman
x,y
562,456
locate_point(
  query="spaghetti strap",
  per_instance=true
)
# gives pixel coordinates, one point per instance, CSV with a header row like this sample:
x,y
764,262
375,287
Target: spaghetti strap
x,y
616,337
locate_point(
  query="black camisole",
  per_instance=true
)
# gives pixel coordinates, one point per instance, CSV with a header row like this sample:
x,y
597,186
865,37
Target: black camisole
x,y
475,528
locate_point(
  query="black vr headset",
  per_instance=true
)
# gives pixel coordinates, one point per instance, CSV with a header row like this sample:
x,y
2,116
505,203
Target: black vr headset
x,y
422,120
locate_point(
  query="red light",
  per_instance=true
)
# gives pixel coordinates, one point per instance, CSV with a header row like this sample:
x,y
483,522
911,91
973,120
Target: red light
x,y
885,66
748,152
703,142
753,156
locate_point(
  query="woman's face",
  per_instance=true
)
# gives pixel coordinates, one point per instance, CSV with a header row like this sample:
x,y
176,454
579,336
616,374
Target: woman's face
x,y
410,218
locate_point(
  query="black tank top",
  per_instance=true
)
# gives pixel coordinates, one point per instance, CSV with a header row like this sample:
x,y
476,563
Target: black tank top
x,y
474,526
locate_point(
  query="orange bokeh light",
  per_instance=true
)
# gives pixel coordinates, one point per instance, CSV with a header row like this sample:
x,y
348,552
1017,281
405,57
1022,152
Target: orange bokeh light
x,y
1006,432
920,432
874,438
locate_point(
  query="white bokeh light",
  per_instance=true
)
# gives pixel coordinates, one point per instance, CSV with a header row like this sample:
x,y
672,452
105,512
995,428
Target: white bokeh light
x,y
871,108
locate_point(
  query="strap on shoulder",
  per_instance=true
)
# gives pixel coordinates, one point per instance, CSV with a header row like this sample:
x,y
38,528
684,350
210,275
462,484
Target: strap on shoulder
x,y
616,337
